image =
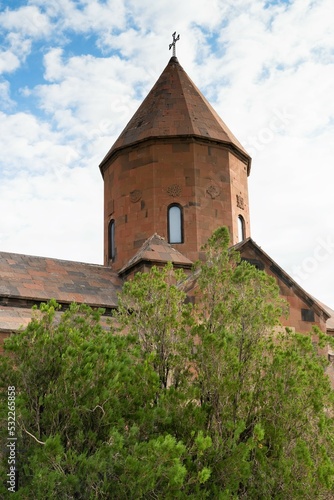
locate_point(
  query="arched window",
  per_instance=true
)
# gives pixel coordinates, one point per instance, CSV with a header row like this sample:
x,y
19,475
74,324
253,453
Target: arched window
x,y
175,224
241,228
111,239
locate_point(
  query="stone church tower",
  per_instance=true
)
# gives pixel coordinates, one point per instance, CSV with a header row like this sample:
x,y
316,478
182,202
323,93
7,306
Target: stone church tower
x,y
175,174
175,170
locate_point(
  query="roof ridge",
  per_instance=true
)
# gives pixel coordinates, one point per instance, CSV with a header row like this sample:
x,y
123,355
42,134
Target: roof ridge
x,y
294,283
175,255
4,254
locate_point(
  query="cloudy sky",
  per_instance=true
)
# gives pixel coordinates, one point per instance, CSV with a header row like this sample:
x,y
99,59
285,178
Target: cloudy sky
x,y
73,72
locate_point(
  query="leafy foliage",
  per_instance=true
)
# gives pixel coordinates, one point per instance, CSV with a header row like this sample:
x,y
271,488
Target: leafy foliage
x,y
171,400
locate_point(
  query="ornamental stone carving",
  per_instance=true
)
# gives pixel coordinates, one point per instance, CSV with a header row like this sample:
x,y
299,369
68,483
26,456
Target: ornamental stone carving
x,y
213,191
174,190
135,195
240,202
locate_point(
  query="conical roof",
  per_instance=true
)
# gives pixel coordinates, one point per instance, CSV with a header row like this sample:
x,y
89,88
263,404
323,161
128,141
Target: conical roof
x,y
175,107
157,250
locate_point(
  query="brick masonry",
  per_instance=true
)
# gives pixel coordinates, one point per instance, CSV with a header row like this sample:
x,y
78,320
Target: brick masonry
x,y
203,178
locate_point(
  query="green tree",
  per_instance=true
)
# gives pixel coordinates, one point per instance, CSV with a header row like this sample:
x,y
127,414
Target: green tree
x,y
171,400
93,418
152,308
269,406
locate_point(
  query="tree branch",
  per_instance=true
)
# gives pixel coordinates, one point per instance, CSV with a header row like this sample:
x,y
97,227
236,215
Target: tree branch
x,y
31,435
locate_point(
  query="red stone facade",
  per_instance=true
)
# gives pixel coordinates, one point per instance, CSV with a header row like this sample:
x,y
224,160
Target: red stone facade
x,y
207,180
304,311
174,150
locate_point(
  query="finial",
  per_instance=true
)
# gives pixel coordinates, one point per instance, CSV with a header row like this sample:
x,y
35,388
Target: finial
x,y
175,39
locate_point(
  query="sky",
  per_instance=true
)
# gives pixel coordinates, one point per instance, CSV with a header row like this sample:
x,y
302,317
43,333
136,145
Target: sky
x,y
73,72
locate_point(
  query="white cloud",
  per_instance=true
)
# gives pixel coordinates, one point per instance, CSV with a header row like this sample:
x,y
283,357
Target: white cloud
x,y
58,214
28,144
89,97
27,20
20,27
8,61
85,16
5,100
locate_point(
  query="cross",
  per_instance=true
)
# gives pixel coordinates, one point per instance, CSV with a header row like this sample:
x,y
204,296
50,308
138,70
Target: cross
x,y
175,39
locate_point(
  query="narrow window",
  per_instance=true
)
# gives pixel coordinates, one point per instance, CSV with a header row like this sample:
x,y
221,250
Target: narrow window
x,y
307,315
111,239
241,228
175,224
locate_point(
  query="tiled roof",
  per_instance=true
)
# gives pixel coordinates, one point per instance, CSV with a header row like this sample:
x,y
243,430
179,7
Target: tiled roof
x,y
40,279
175,107
156,249
14,318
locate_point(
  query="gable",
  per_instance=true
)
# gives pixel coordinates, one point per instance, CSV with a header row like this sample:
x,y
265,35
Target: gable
x,y
155,251
304,310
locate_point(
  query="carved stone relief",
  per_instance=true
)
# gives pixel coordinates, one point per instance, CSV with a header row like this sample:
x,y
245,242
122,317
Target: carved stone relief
x,y
240,202
213,191
174,190
135,195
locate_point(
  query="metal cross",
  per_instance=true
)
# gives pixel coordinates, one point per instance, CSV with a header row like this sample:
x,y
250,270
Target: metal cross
x,y
175,39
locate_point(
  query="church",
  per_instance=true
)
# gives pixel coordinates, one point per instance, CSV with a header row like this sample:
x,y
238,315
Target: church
x,y
174,175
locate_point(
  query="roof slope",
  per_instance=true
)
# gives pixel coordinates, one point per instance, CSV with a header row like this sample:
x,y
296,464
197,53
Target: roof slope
x,y
175,107
330,321
14,318
40,279
156,249
284,276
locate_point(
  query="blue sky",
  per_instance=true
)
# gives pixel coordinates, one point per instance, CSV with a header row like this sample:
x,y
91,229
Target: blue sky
x,y
72,73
